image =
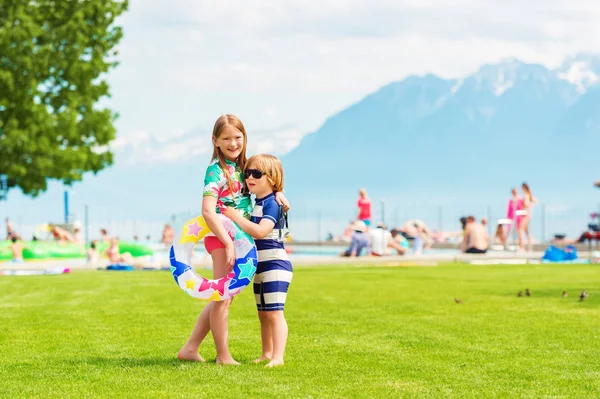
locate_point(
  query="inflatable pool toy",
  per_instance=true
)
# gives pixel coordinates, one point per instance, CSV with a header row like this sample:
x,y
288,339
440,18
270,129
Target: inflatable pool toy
x,y
54,250
212,290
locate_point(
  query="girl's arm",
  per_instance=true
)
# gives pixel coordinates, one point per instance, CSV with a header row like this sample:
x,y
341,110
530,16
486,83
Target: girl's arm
x,y
281,200
256,230
209,206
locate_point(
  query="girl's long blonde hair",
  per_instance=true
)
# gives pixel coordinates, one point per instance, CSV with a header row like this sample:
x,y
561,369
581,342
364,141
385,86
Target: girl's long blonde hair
x,y
220,124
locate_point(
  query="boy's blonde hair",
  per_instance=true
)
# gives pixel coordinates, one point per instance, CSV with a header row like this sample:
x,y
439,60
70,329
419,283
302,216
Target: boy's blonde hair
x,y
271,166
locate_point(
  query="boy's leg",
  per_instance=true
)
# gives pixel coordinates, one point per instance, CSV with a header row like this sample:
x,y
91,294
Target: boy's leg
x,y
219,313
279,330
266,337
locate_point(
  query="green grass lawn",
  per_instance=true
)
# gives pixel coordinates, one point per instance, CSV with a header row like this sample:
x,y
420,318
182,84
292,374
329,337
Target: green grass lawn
x,y
354,332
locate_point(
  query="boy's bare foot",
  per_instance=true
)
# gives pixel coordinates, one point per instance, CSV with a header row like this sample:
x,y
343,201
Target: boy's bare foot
x,y
192,356
227,362
261,359
274,363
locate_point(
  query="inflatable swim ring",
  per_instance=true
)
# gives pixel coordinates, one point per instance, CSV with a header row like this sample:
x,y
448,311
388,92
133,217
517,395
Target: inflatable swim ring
x,y
212,290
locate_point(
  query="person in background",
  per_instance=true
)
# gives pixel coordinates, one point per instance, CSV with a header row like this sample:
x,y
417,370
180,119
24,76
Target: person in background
x,y
463,223
114,255
77,235
400,240
61,235
476,239
364,207
168,235
360,240
382,241
523,227
515,203
92,254
9,229
17,250
500,237
104,235
419,239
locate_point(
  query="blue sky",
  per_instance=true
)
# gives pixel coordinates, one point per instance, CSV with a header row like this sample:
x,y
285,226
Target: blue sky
x,y
285,66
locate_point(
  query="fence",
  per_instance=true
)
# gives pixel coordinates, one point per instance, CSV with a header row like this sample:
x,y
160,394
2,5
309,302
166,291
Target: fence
x,y
314,222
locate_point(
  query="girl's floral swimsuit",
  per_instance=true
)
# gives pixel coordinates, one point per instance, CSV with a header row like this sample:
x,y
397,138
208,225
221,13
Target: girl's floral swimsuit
x,y
216,185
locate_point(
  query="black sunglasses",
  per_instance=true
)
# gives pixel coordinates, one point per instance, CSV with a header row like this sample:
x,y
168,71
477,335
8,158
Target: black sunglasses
x,y
257,174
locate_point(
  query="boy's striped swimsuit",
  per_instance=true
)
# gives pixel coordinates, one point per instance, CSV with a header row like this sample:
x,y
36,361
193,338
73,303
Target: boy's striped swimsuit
x,y
274,271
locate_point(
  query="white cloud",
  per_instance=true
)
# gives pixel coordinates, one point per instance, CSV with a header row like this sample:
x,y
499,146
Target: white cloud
x,y
184,62
139,147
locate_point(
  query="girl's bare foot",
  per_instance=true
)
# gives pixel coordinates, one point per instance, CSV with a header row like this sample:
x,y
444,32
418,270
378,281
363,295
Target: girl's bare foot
x,y
274,363
261,359
192,356
228,362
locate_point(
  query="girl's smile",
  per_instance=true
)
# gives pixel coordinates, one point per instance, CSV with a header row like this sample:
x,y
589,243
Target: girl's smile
x,y
230,142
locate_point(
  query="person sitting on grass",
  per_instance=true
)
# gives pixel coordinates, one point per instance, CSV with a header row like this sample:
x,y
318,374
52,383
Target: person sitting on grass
x,y
360,240
382,241
114,255
476,240
17,250
264,177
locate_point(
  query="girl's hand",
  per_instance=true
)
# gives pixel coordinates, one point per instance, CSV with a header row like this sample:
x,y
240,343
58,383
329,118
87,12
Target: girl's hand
x,y
281,200
231,213
230,255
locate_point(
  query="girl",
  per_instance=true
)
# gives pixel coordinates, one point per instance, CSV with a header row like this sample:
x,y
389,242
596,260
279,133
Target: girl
x,y
273,275
523,226
223,186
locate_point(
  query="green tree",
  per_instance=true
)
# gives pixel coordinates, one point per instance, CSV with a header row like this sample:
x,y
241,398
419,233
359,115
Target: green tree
x,y
54,55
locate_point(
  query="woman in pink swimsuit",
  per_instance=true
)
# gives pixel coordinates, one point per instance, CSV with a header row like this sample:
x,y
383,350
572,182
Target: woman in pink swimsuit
x,y
523,225
514,204
364,207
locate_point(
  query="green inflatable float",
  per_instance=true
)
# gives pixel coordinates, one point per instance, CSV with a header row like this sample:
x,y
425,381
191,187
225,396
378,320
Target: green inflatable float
x,y
53,250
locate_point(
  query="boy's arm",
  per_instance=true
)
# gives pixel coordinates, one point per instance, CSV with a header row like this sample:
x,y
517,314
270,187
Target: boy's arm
x,y
256,230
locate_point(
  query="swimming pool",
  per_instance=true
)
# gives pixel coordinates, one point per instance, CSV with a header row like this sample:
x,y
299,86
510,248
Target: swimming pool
x,y
336,250
302,251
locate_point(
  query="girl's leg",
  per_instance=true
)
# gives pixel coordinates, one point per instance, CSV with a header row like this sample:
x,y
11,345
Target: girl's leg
x,y
201,329
219,313
266,336
280,333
